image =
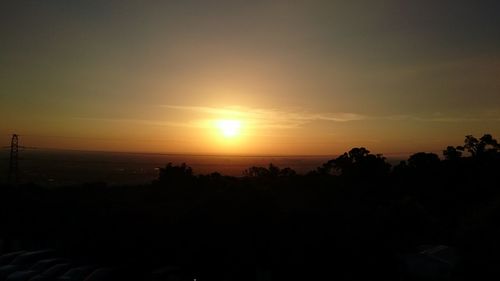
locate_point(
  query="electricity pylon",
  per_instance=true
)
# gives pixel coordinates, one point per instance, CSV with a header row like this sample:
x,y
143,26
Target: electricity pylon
x,y
14,159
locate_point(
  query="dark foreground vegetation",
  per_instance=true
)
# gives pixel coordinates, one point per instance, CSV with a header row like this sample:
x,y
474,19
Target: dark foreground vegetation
x,y
354,218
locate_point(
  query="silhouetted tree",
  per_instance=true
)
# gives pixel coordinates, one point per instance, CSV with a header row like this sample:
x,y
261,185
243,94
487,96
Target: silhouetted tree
x,y
400,169
357,162
424,161
272,171
477,148
453,153
256,172
471,144
171,173
489,144
287,172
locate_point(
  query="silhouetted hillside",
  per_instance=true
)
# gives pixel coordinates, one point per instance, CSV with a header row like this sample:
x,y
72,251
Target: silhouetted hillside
x,y
353,218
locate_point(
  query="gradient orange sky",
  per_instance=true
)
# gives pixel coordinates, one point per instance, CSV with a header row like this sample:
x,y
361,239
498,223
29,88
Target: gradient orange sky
x,y
302,77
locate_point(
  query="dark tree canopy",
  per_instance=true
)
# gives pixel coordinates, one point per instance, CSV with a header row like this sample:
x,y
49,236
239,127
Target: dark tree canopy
x,y
358,162
453,153
423,160
171,173
272,171
479,147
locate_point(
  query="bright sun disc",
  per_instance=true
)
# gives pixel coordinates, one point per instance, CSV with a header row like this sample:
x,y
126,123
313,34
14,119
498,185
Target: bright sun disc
x,y
229,128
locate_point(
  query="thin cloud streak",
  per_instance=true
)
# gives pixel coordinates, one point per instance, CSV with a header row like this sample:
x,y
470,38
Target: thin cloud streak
x,y
270,118
443,119
281,119
278,118
137,121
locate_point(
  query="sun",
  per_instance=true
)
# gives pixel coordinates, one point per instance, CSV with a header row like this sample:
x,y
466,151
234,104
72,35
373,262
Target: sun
x,y
229,128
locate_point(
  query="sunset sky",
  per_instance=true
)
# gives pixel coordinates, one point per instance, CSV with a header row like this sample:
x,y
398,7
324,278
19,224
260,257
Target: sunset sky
x,y
249,77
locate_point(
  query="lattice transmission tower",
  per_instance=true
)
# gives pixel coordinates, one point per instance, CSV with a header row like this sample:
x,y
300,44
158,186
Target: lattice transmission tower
x,y
14,159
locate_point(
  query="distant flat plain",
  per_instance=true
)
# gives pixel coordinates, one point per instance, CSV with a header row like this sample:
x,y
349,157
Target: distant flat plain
x,y
67,167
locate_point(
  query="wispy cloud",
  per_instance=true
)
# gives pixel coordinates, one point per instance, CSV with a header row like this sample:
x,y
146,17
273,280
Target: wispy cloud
x,y
273,118
292,118
270,118
442,118
137,121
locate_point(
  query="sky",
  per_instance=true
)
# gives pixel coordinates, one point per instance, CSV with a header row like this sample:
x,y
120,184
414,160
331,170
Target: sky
x,y
296,77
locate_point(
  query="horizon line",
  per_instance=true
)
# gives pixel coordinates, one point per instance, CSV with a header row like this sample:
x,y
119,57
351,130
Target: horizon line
x,y
219,154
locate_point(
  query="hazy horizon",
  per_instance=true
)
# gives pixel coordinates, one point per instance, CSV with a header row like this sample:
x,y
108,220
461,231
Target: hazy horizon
x,y
63,167
30,144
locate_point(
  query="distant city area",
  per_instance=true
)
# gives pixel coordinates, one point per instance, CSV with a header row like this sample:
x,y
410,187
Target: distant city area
x,y
62,167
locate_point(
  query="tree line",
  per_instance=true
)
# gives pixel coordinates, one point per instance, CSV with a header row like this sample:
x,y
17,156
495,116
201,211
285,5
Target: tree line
x,y
353,218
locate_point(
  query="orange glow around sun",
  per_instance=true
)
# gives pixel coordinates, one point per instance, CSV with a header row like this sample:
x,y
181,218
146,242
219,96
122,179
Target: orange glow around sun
x,y
229,128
